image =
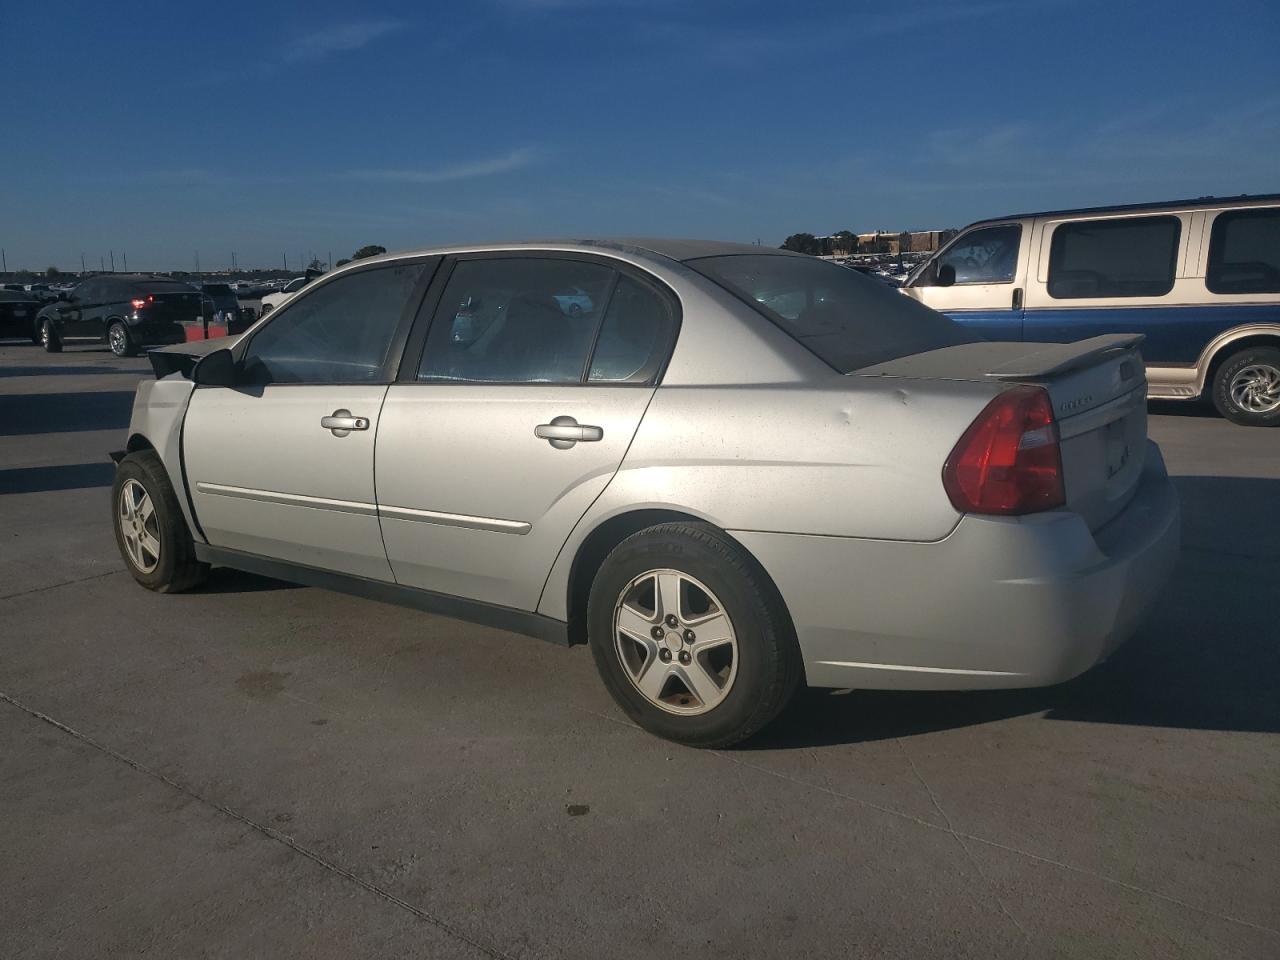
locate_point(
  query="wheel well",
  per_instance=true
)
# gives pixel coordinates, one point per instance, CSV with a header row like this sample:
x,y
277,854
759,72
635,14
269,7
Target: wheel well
x,y
1227,351
601,541
138,442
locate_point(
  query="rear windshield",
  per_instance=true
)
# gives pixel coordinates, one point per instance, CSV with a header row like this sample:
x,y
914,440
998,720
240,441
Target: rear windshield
x,y
849,320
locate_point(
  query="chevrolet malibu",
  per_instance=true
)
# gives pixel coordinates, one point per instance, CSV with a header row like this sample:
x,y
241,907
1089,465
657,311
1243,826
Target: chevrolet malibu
x,y
731,471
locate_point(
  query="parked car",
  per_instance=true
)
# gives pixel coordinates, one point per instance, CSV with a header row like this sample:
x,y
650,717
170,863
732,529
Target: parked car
x,y
724,500
574,301
125,311
1199,278
225,307
18,311
272,300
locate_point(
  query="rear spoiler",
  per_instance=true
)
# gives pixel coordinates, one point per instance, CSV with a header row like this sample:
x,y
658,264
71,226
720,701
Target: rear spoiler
x,y
1054,358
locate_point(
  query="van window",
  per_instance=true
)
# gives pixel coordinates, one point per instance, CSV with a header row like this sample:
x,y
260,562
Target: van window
x,y
986,255
1133,257
1244,252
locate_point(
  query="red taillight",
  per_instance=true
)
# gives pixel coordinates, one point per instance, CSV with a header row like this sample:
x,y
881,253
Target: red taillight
x,y
1008,461
140,303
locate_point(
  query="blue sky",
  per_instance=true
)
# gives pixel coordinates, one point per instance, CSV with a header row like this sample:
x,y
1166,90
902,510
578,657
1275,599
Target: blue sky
x,y
168,128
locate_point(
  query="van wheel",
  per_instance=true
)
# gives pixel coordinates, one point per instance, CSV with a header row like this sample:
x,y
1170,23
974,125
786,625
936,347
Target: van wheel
x,y
151,531
1246,388
119,341
690,637
49,338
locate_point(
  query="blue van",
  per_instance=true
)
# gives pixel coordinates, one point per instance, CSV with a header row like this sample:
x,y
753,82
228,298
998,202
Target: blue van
x,y
1200,278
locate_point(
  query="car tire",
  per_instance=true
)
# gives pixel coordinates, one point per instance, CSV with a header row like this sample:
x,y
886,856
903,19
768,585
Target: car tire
x,y
1246,387
49,338
151,532
34,332
721,590
119,341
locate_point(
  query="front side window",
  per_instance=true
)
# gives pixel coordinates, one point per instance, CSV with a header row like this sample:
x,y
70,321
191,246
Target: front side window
x,y
1132,257
848,320
517,320
986,255
293,286
1244,252
341,332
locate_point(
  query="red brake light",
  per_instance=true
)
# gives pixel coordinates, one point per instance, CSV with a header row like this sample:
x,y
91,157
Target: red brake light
x,y
1009,461
138,304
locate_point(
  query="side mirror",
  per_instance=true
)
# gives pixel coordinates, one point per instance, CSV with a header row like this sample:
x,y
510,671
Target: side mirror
x,y
946,275
217,369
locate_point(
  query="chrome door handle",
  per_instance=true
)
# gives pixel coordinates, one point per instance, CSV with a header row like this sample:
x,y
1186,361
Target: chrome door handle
x,y
341,422
563,432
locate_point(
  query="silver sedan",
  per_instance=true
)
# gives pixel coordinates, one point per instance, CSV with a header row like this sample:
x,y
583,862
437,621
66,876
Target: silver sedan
x,y
730,471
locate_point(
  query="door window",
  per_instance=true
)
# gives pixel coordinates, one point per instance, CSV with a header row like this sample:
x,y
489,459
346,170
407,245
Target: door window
x,y
344,331
1131,257
1244,252
517,320
634,336
986,255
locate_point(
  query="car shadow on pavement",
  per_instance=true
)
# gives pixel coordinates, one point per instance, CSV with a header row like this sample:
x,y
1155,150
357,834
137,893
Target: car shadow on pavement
x,y
1207,658
1202,408
74,476
27,414
227,580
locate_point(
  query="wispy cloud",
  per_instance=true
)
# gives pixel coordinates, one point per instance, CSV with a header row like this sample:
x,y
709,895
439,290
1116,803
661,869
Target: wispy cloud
x,y
337,38
484,167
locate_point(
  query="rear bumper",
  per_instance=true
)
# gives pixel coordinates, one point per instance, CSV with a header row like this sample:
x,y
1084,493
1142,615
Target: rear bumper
x,y
1000,602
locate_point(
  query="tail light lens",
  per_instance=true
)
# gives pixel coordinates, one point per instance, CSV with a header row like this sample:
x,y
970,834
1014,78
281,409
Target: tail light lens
x,y
139,303
1009,461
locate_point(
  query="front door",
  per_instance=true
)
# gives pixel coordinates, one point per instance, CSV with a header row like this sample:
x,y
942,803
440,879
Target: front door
x,y
986,293
281,465
517,417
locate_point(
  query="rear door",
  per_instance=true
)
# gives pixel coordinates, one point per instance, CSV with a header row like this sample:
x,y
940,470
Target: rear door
x,y
281,465
987,295
493,445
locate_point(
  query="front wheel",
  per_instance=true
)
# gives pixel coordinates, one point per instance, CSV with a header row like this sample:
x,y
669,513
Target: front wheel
x,y
690,636
1246,388
49,338
119,341
151,531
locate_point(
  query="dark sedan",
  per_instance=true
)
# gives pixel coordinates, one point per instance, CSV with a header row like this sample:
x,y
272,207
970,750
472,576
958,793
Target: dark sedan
x,y
125,311
18,311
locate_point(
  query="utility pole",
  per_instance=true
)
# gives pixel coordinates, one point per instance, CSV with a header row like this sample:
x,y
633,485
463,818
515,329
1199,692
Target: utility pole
x,y
83,269
102,264
4,262
285,261
113,260
328,264
197,262
125,255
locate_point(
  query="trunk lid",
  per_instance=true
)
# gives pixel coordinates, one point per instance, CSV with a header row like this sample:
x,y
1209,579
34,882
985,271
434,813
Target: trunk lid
x,y
1098,391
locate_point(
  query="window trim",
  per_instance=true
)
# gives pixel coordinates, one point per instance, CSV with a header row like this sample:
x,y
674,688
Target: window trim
x,y
411,361
399,339
1055,247
936,261
1217,229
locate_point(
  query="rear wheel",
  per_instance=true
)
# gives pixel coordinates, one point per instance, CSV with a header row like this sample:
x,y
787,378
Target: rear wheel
x,y
151,531
690,637
49,338
1246,388
119,341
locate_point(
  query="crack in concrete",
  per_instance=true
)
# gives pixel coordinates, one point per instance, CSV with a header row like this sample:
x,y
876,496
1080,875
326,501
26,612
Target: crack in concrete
x,y
55,586
960,840
443,925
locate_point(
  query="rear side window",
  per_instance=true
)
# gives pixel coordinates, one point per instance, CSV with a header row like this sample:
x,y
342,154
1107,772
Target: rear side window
x,y
341,332
518,320
633,338
848,320
1244,252
1134,257
165,286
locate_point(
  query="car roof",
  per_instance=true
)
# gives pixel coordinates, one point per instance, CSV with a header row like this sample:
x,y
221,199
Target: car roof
x,y
1243,199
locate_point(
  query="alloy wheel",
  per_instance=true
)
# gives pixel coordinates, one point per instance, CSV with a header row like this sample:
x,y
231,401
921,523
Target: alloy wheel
x,y
675,641
139,526
118,340
1256,388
